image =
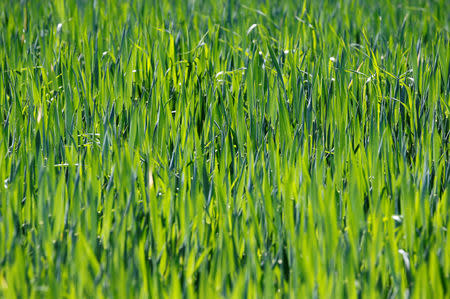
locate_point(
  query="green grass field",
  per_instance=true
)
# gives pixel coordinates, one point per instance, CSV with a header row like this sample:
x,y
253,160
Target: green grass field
x,y
224,149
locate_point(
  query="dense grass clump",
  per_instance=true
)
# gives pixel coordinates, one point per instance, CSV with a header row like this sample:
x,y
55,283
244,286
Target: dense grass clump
x,y
224,149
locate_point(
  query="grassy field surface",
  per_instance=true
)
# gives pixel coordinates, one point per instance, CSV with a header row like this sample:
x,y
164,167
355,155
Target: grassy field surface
x,y
224,149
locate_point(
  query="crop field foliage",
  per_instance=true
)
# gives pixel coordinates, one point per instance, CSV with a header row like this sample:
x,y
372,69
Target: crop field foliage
x,y
229,149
